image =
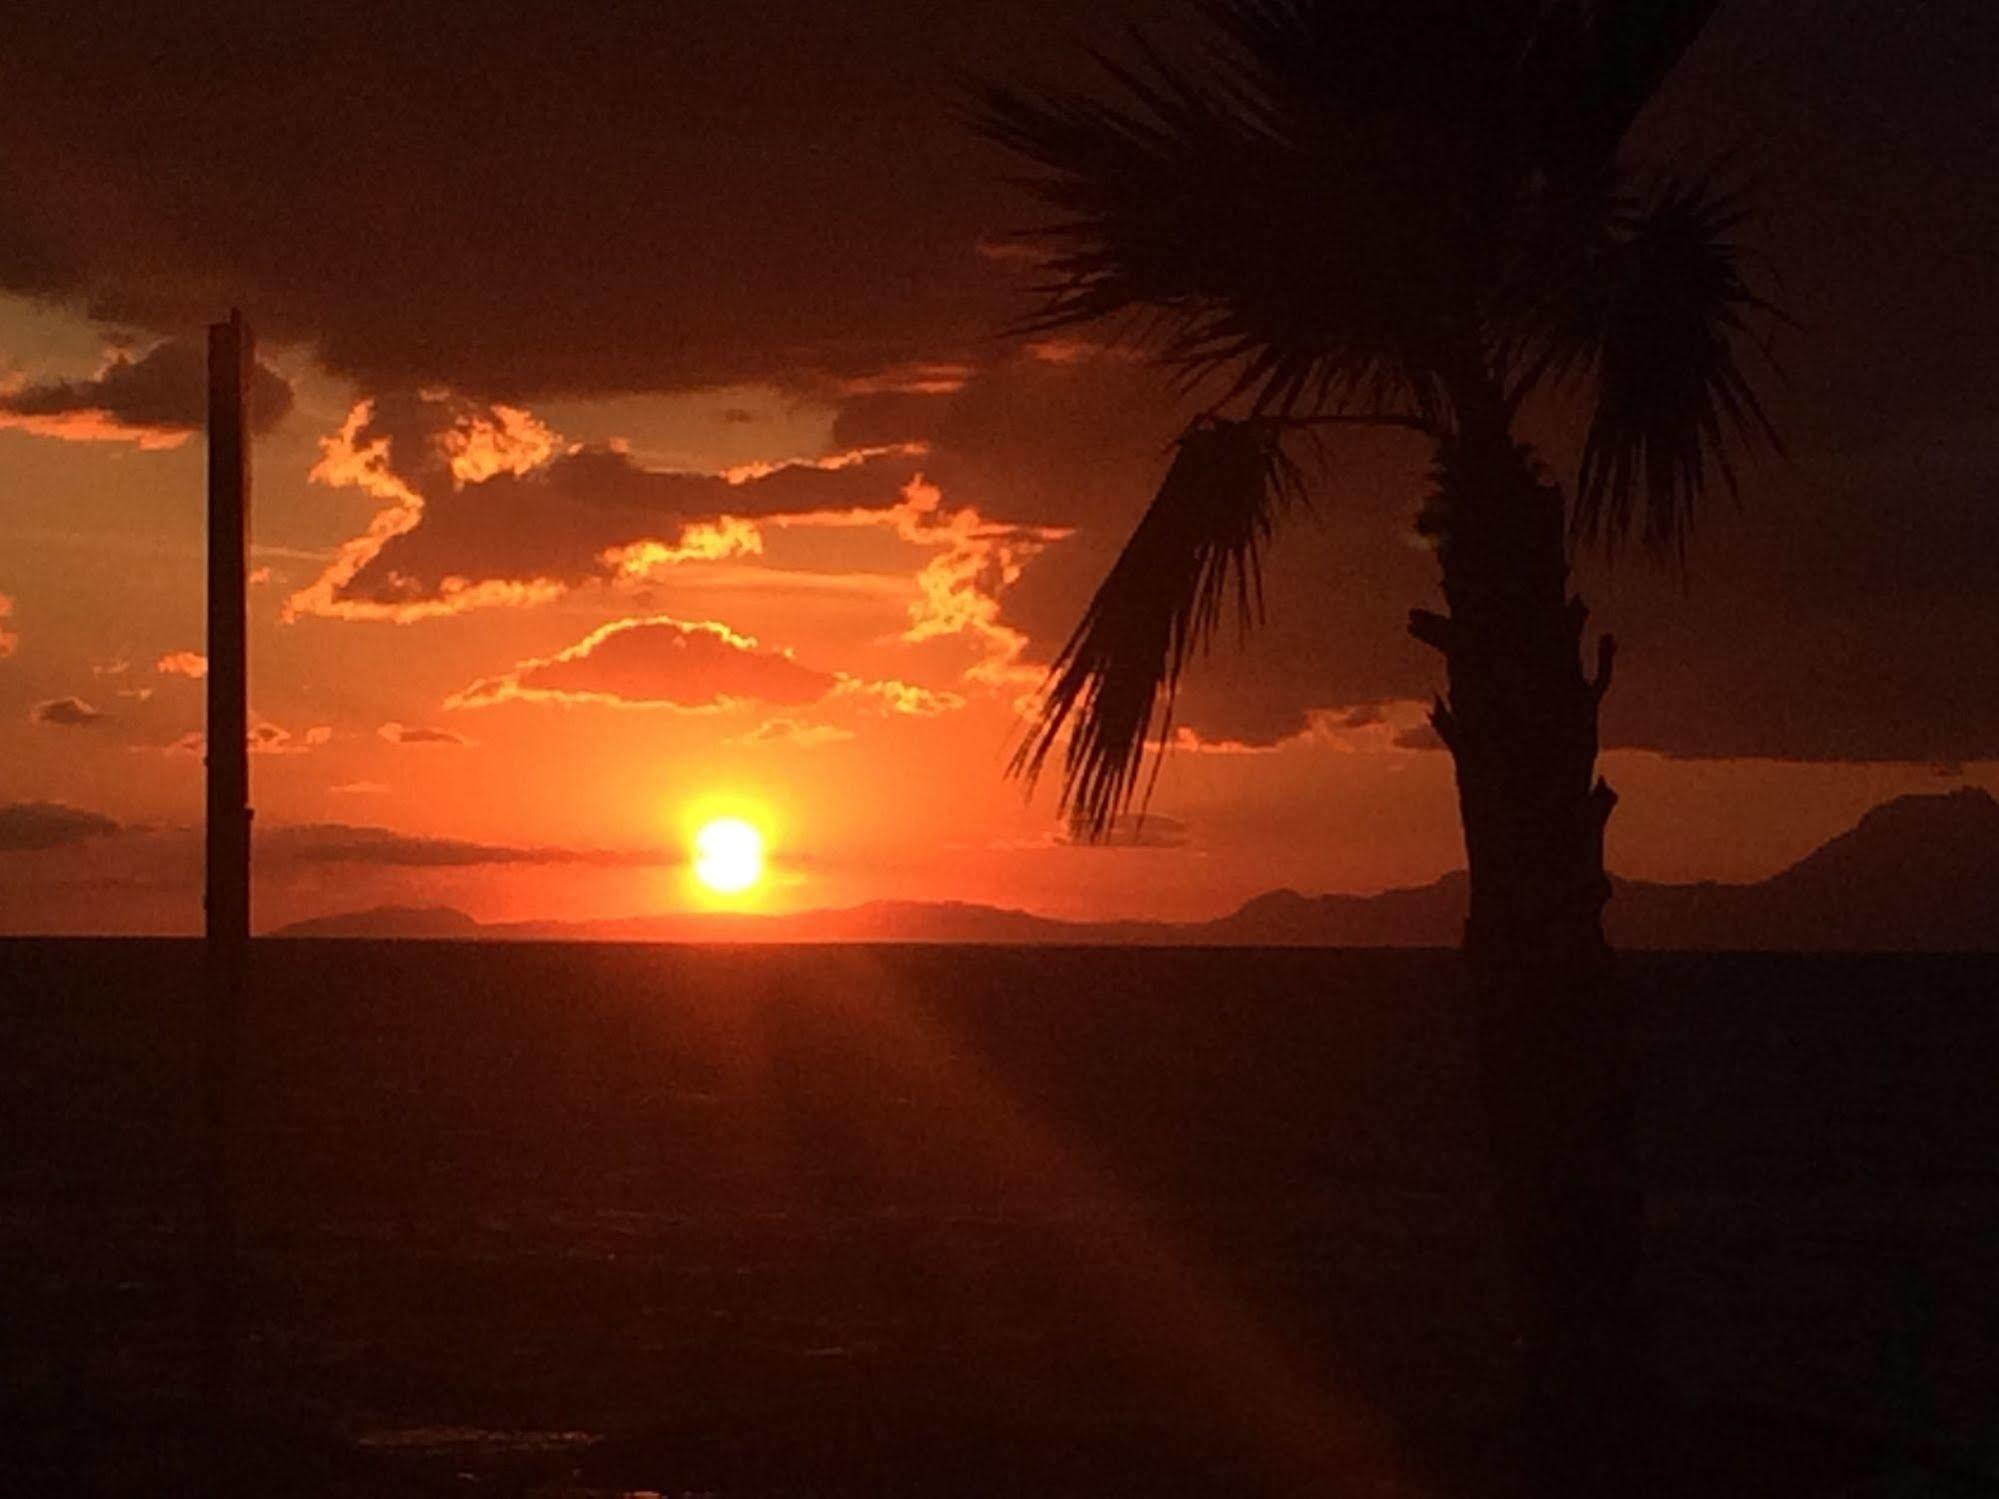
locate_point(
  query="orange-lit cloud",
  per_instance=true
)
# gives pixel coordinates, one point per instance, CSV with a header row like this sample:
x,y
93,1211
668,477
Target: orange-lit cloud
x,y
941,379
485,506
701,541
794,732
501,440
182,664
697,667
93,426
958,589
1070,349
10,640
830,463
449,441
656,662
891,696
348,460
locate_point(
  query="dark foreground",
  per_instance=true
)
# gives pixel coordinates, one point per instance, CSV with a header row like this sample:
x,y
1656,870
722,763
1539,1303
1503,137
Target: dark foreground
x,y
938,1222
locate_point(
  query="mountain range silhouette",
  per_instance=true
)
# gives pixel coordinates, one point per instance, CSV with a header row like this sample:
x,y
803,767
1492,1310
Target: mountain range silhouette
x,y
1919,873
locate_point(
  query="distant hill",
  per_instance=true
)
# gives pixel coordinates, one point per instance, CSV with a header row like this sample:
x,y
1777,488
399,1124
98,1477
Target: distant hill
x,y
1918,873
389,921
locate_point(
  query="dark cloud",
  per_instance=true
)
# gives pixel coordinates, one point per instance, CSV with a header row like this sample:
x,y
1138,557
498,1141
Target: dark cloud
x,y
1834,615
556,522
344,843
1339,581
419,734
1825,620
763,190
657,663
161,395
777,192
267,738
1032,439
1140,830
64,713
263,738
31,827
574,198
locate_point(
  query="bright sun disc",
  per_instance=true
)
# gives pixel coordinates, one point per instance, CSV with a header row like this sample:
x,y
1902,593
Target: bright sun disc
x,y
728,856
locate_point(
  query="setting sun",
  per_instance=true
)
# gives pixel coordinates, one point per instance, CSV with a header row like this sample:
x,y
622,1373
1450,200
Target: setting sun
x,y
728,855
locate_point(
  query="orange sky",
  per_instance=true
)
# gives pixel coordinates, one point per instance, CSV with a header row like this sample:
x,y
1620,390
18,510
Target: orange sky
x,y
689,473
843,670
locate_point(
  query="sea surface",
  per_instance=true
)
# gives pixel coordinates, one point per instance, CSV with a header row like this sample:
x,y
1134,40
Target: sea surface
x,y
573,1219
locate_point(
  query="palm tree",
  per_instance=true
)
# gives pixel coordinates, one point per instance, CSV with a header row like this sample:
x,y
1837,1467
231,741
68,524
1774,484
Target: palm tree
x,y
1415,213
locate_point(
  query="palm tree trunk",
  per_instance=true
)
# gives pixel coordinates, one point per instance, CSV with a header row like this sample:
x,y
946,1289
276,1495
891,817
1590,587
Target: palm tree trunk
x,y
1520,720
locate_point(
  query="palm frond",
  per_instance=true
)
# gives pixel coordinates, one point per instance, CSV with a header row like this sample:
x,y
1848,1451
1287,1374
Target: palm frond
x,y
1659,330
1293,226
1616,54
1197,548
1403,73
1589,70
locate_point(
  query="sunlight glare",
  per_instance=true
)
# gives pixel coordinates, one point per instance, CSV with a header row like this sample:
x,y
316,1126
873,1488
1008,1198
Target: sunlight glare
x,y
728,855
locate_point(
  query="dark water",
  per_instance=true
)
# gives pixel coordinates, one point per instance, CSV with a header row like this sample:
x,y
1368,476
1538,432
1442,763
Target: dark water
x,y
935,1221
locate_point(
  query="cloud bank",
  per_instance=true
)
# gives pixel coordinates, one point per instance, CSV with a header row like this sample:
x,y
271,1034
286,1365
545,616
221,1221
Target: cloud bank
x,y
33,827
157,399
656,663
64,713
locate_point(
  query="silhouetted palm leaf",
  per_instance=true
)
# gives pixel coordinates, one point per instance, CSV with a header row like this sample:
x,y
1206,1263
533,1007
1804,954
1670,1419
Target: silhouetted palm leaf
x,y
1197,547
1597,64
1362,209
1658,331
1240,233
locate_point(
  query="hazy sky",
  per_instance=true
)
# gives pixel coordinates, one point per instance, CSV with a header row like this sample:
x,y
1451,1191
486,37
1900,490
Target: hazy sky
x,y
637,444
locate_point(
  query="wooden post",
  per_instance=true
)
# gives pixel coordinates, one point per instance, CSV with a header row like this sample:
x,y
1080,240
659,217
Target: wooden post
x,y
231,358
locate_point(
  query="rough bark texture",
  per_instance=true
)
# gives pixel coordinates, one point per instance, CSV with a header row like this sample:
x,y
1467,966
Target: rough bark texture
x,y
1520,719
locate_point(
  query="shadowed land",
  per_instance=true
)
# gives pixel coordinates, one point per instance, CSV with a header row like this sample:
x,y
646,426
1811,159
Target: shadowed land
x,y
929,1221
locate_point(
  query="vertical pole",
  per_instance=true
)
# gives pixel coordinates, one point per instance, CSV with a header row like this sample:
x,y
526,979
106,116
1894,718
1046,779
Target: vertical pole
x,y
230,356
227,885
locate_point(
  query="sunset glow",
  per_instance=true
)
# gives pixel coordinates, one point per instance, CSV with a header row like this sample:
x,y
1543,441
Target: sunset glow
x,y
728,856
1206,747
754,511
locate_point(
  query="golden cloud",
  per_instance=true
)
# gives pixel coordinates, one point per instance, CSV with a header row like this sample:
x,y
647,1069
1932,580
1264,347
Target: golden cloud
x,y
182,664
